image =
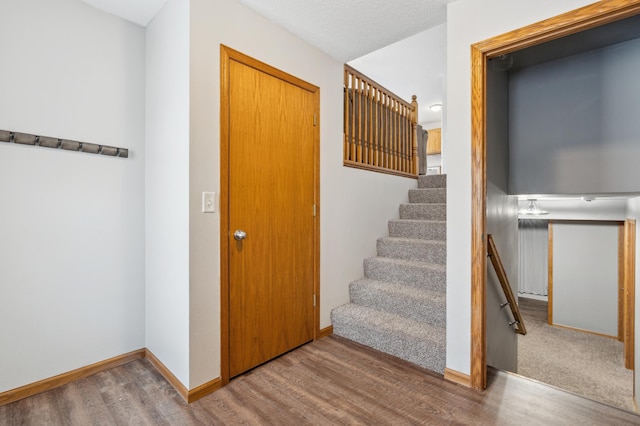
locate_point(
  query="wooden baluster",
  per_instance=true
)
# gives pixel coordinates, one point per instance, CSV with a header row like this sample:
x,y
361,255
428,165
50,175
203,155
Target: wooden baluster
x,y
373,126
363,121
398,140
396,136
383,126
360,138
394,110
354,117
365,124
399,119
388,133
414,133
376,127
346,116
367,118
370,124
363,116
401,132
405,149
392,137
352,124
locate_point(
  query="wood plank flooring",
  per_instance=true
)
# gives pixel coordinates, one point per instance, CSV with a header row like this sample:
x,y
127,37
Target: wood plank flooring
x,y
328,382
533,309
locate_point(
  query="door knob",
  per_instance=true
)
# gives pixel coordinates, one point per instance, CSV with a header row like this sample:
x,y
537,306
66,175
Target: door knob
x,y
239,235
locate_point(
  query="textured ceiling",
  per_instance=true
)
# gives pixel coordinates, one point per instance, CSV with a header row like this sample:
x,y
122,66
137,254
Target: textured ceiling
x,y
349,29
137,11
344,29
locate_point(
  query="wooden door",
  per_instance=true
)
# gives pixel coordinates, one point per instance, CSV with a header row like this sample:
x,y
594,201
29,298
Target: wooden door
x,y
271,193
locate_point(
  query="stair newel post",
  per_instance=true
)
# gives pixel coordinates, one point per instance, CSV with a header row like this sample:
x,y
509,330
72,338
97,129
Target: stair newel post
x,y
414,134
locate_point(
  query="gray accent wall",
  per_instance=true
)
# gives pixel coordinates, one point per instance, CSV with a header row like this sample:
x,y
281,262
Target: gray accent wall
x,y
574,124
502,223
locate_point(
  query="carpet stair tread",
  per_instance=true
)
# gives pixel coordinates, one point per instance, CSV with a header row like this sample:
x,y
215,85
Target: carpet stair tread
x,y
425,211
411,302
428,195
431,276
405,338
418,229
421,250
432,181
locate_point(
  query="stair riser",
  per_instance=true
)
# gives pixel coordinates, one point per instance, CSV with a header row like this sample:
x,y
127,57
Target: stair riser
x,y
418,230
423,211
423,309
422,352
414,275
427,195
419,251
432,181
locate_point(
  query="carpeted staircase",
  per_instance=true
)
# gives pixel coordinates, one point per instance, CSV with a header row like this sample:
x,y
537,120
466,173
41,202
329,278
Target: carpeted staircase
x,y
399,305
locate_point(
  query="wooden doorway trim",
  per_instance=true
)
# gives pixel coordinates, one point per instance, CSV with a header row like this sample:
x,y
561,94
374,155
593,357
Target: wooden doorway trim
x,y
629,292
226,55
597,14
621,275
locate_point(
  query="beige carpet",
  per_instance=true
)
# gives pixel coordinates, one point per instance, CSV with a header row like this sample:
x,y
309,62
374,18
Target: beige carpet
x,y
585,364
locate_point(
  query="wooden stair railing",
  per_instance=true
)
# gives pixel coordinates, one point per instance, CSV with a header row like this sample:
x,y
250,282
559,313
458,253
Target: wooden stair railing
x,y
506,287
380,129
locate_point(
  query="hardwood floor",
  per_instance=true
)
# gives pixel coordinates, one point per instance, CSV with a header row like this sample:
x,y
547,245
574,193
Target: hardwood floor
x,y
328,382
533,309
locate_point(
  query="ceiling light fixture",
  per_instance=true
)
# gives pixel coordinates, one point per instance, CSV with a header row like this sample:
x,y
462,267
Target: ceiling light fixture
x,y
435,107
532,209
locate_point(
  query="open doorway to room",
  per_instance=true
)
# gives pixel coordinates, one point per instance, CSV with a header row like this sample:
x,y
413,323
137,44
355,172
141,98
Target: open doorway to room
x,y
572,285
581,148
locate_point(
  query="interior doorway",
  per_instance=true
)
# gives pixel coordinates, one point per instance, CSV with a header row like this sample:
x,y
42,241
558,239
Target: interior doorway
x,y
575,337
564,25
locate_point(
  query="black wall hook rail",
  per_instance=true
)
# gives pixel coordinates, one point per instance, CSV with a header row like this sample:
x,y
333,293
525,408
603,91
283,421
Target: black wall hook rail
x,y
49,142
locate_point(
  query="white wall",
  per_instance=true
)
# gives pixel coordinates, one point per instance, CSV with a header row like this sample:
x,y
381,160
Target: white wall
x,y
167,187
468,22
633,212
354,205
585,276
413,66
72,228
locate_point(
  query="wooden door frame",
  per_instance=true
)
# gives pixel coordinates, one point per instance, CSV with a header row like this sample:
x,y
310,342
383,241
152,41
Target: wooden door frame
x,y
620,224
629,280
597,14
226,55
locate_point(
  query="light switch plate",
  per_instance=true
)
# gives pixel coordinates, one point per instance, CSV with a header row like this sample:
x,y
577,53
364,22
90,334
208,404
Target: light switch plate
x,y
208,202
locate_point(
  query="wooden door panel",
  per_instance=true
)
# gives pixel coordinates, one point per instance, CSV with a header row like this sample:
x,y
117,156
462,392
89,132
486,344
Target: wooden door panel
x,y
271,197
